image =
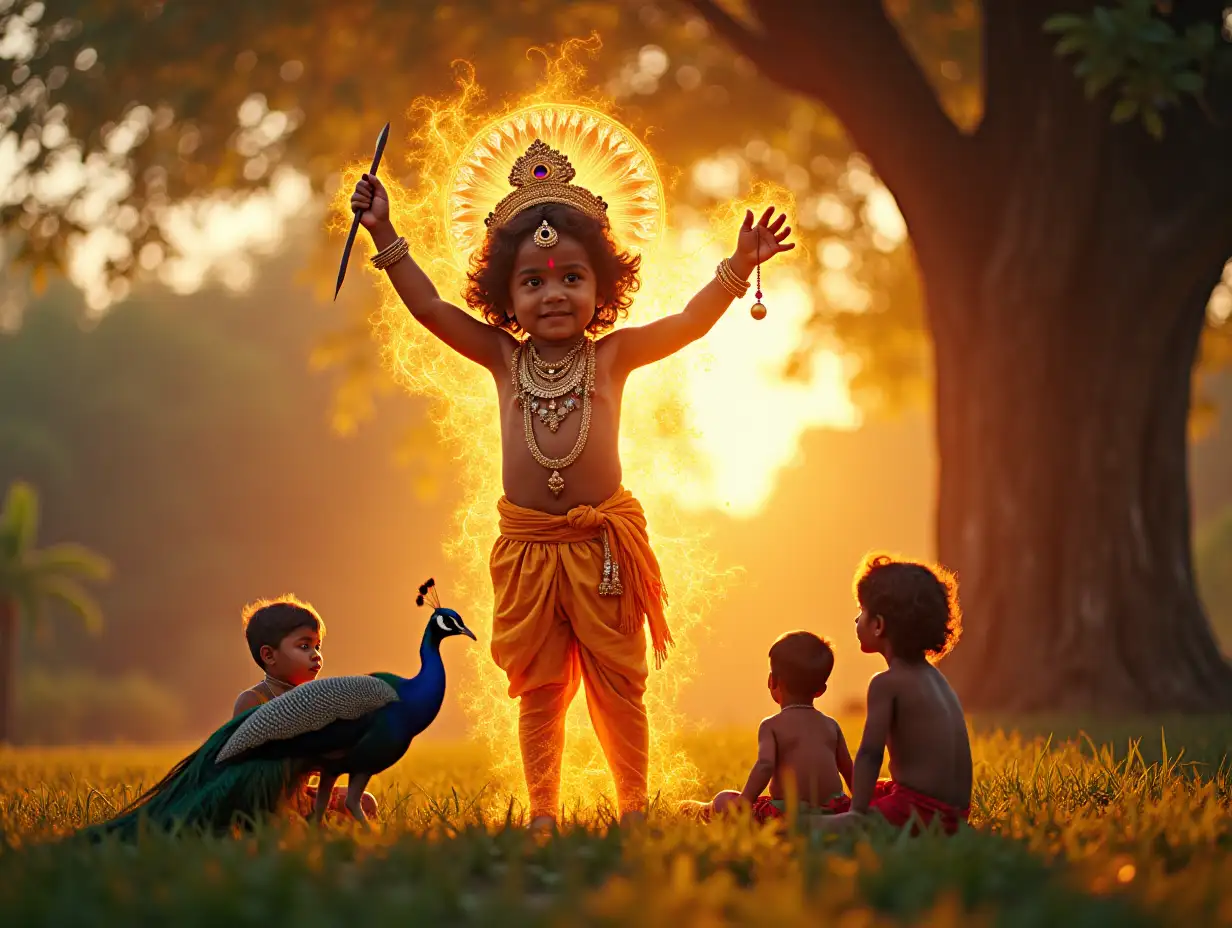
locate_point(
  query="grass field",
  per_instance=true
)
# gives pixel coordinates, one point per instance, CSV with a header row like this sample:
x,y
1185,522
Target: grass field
x,y
1063,834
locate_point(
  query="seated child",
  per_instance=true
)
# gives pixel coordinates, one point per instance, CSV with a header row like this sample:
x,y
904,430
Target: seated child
x,y
909,614
284,637
799,746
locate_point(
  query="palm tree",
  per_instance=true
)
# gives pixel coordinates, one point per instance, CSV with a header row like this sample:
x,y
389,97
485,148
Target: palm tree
x,y
29,579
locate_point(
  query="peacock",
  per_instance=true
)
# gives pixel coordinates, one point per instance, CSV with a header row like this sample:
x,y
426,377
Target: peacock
x,y
353,725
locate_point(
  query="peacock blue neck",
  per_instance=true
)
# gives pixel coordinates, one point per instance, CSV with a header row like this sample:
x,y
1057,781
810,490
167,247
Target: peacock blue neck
x,y
423,694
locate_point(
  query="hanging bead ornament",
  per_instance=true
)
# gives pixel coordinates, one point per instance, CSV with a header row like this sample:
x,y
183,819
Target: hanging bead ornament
x,y
758,309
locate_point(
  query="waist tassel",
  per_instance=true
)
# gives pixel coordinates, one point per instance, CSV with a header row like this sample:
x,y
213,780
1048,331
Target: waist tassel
x,y
610,585
630,620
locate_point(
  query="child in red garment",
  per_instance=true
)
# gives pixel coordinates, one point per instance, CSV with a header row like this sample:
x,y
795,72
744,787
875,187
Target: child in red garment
x,y
799,747
909,614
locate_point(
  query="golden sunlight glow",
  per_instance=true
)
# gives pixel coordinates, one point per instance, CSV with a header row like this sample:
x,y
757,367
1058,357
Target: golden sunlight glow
x,y
707,428
608,162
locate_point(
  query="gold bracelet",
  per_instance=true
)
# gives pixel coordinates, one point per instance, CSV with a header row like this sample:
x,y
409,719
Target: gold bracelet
x,y
384,252
730,280
728,276
391,254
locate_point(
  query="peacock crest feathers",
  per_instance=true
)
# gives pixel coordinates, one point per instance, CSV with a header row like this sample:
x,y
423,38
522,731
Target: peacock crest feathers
x,y
308,707
427,592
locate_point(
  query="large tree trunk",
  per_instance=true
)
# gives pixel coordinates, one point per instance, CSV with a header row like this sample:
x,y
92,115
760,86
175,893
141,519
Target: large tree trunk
x,y
1067,264
8,669
1064,506
1066,312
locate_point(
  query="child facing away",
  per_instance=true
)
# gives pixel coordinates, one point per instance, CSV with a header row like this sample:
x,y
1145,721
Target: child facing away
x,y
284,637
574,575
798,749
909,614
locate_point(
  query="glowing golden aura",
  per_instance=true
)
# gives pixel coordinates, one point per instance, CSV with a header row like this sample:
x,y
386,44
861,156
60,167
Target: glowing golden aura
x,y
659,447
608,159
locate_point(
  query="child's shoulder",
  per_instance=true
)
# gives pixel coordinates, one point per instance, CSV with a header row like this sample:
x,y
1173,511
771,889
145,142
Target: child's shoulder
x,y
830,723
249,699
829,719
885,682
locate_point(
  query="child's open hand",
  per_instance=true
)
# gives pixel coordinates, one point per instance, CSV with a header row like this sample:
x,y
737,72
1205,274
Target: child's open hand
x,y
762,241
371,198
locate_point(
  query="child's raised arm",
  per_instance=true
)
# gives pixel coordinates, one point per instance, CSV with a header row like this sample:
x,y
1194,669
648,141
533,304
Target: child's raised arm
x,y
454,326
763,769
872,745
638,346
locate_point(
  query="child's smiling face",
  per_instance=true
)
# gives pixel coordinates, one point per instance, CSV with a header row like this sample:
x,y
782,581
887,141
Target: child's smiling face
x,y
553,290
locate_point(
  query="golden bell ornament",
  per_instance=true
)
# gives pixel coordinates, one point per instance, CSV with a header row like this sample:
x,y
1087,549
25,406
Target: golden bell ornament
x,y
757,311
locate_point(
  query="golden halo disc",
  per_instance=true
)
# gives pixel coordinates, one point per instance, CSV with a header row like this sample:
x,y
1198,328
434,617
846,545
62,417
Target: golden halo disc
x,y
610,162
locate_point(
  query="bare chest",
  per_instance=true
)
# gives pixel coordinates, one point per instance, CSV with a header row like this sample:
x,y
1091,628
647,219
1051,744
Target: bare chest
x,y
560,441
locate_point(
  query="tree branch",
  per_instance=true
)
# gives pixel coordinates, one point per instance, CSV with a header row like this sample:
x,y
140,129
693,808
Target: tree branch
x,y
850,57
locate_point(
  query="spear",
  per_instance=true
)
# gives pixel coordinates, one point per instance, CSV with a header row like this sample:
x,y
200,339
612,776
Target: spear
x,y
346,252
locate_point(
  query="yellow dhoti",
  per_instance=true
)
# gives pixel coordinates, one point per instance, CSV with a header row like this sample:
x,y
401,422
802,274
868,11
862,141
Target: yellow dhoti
x,y
573,594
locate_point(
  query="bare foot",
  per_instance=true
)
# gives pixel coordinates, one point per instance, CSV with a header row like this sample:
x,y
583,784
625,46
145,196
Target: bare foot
x,y
691,808
542,824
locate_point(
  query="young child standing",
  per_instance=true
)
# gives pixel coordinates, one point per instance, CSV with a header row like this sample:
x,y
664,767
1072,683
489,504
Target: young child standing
x,y
909,614
284,637
575,577
798,749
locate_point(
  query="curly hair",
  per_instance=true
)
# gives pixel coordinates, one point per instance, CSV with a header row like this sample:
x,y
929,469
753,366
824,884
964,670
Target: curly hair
x,y
917,602
802,662
488,282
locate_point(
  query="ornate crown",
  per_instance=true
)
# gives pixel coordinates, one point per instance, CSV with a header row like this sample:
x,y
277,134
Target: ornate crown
x,y
542,175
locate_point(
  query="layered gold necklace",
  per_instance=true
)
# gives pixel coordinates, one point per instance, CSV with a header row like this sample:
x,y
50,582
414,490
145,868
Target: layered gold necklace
x,y
550,391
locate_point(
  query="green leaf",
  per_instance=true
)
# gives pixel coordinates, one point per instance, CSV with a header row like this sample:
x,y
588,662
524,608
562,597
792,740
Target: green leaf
x,y
1189,82
1153,122
19,519
77,599
1125,110
1098,80
70,561
1071,43
1064,22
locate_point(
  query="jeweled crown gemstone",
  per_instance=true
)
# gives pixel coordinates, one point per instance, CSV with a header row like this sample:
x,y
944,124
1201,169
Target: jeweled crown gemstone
x,y
541,171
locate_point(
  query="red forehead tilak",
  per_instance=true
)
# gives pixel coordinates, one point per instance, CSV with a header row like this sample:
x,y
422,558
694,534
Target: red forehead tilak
x,y
551,263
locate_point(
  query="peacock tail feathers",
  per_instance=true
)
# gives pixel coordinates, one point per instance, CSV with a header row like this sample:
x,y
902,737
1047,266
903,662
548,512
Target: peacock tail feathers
x,y
306,708
198,792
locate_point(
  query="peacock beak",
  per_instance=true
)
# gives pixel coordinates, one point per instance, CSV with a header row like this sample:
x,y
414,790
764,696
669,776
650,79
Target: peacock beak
x,y
469,634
